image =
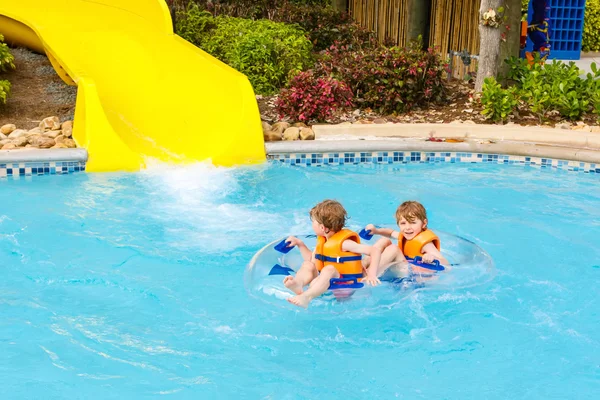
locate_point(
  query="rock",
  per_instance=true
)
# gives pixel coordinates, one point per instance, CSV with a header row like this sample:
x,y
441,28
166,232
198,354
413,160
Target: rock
x,y
50,124
59,139
17,133
3,136
307,134
266,126
595,129
32,139
42,142
53,134
468,110
271,136
67,128
46,143
345,123
5,141
300,125
564,125
469,122
379,121
582,128
35,131
70,143
20,141
280,126
30,146
456,122
356,112
7,129
60,146
291,134
9,146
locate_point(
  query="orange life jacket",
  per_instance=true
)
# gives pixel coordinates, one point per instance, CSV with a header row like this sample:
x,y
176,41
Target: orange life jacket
x,y
329,252
412,248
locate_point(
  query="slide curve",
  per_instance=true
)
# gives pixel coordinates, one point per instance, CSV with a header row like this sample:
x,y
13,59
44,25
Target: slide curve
x,y
142,91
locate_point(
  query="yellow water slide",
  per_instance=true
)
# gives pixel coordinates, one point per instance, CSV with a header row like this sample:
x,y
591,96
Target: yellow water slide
x,y
142,91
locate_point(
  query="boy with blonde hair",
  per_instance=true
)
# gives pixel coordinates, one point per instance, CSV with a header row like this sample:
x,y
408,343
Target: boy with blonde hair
x,y
338,254
414,238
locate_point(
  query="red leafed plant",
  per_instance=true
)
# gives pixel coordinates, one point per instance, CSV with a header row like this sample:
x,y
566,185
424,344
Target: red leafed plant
x,y
311,98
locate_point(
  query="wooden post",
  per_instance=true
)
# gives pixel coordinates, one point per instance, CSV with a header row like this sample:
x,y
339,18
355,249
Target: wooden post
x,y
512,46
339,5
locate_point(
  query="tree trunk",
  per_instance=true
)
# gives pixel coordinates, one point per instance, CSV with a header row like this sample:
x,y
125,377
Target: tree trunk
x,y
489,47
512,46
339,5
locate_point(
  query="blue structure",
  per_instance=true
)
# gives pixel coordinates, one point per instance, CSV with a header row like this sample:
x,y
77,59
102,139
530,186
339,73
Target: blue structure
x,y
555,28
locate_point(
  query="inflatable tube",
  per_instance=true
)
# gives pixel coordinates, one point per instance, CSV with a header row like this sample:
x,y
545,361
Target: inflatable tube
x,y
470,266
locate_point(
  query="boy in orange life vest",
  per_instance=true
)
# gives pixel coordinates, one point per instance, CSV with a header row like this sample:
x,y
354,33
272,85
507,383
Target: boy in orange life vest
x,y
414,239
333,243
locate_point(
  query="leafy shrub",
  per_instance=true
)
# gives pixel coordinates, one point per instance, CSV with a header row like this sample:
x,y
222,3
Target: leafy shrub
x,y
6,63
497,103
388,79
591,33
6,59
555,87
324,25
311,98
265,51
4,91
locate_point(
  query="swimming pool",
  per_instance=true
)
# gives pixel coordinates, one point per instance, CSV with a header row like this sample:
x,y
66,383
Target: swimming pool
x,y
131,286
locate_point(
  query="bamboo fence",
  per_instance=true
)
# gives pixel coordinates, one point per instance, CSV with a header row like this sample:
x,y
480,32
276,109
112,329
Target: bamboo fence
x,y
387,18
453,25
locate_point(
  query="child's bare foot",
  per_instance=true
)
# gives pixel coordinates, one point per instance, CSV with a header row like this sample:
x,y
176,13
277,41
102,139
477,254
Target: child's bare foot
x,y
291,283
300,301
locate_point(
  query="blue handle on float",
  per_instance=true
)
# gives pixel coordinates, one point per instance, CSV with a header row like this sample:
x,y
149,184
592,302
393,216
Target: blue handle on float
x,y
282,247
279,270
365,234
434,266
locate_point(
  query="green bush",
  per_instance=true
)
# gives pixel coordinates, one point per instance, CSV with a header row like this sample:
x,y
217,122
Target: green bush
x,y
6,59
268,53
497,103
389,80
6,63
555,86
4,91
591,26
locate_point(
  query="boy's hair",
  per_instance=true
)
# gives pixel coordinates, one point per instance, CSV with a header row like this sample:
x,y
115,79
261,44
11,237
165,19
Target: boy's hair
x,y
411,210
331,214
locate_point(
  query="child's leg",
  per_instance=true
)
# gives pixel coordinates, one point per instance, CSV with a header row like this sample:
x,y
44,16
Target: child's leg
x,y
381,244
306,274
389,256
317,287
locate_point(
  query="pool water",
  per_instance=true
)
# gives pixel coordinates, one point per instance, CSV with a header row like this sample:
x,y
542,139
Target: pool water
x,y
132,286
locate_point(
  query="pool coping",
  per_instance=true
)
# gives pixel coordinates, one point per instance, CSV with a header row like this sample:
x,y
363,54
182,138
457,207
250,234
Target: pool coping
x,y
411,145
377,143
43,155
463,131
32,162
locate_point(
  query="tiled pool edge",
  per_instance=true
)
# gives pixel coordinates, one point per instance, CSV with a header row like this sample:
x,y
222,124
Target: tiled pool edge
x,y
23,163
319,153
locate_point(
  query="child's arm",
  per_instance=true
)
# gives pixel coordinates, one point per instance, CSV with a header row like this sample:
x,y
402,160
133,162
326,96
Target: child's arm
x,y
430,253
374,252
307,254
387,232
